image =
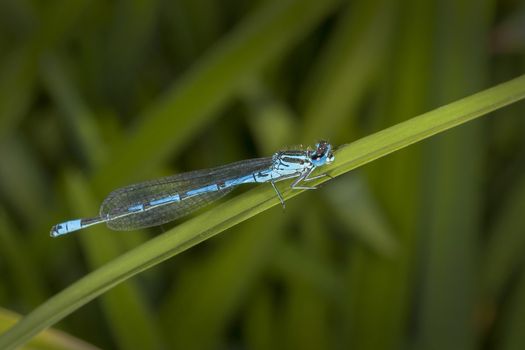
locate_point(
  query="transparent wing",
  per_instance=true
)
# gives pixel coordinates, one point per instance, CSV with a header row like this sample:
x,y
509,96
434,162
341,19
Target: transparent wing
x,y
115,207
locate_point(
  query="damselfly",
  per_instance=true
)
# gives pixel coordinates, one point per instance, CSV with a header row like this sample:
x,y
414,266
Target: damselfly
x,y
157,202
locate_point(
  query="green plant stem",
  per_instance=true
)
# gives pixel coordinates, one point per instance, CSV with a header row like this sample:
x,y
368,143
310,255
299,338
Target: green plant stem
x,y
252,202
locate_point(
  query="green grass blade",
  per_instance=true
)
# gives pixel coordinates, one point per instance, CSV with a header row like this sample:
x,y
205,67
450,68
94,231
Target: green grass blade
x,y
253,202
416,129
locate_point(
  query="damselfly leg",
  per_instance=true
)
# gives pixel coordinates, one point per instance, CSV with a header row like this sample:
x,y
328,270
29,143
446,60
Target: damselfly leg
x,y
281,199
305,178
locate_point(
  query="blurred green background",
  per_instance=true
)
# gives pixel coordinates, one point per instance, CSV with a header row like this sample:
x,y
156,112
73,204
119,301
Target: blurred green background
x,y
423,249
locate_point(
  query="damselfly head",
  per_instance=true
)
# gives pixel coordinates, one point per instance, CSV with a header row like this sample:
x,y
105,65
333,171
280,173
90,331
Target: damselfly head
x,y
322,154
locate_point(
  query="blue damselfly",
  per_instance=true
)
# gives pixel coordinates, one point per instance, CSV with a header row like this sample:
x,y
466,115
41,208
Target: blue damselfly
x,y
156,202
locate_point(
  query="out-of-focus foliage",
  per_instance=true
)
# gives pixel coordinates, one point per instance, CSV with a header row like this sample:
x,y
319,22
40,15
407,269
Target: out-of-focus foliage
x,y
50,339
420,250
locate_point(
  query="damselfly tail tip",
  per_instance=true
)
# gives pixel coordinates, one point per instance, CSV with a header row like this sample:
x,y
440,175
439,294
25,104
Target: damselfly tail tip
x,y
55,231
59,230
66,227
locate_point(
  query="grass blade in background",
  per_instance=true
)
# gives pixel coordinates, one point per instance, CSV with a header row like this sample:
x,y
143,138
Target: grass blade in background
x,y
381,289
305,308
17,80
49,339
345,70
18,74
503,251
77,118
127,46
252,202
208,86
29,288
510,332
454,173
230,271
